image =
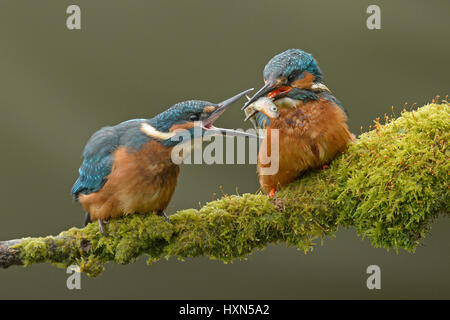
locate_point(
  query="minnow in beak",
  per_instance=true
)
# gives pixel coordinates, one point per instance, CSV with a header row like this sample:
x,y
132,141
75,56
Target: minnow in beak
x,y
264,105
207,124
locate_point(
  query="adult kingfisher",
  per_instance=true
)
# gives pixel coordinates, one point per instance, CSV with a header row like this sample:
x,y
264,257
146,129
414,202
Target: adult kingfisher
x,y
128,168
312,123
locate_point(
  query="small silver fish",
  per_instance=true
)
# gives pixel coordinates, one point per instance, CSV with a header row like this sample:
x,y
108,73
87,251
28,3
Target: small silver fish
x,y
264,105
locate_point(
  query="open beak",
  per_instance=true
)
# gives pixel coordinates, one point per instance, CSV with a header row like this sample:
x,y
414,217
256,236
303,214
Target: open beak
x,y
269,86
210,129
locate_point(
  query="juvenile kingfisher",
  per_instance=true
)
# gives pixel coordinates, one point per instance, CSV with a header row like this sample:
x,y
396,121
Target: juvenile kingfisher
x,y
128,168
312,123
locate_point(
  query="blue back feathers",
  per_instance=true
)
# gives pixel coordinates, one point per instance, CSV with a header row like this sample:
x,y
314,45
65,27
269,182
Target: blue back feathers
x,y
328,96
98,152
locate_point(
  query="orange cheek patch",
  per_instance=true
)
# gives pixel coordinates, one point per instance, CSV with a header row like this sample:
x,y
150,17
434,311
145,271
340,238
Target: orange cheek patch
x,y
182,126
209,109
279,91
305,82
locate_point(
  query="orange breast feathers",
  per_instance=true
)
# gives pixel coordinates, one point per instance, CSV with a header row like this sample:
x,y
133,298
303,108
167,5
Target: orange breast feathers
x,y
310,135
139,182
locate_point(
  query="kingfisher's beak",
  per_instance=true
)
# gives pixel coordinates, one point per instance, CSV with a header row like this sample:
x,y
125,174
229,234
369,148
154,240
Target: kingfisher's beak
x,y
269,86
207,124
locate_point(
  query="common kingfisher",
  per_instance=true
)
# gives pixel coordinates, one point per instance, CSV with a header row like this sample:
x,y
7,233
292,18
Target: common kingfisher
x,y
128,168
312,123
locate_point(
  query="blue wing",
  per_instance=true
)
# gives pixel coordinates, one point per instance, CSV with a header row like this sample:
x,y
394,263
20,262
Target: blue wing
x,y
97,161
328,96
98,157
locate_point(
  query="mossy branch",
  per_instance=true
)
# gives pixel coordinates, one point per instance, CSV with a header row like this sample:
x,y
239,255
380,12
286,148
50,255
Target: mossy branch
x,y
390,185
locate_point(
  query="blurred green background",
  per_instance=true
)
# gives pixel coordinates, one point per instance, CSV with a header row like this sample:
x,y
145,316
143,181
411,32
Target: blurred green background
x,y
133,59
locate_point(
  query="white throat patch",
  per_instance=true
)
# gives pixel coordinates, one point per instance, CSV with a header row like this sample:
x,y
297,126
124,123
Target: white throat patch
x,y
319,86
152,132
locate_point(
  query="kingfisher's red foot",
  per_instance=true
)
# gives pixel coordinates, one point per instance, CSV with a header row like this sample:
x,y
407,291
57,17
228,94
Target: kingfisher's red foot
x,y
272,193
325,167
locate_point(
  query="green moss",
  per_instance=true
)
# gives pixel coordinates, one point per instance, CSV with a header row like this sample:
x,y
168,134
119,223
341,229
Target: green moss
x,y
398,181
390,185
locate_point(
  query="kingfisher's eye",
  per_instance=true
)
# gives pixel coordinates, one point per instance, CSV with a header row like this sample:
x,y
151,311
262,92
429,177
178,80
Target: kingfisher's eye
x,y
291,77
194,117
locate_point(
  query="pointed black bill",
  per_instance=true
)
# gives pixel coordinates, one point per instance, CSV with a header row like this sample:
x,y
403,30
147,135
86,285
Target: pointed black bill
x,y
229,132
269,86
221,107
233,99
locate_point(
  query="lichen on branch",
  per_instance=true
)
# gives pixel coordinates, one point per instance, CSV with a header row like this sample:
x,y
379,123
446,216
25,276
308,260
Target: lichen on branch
x,y
389,185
